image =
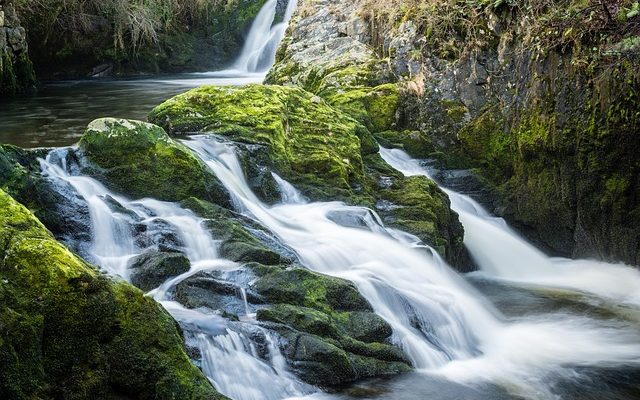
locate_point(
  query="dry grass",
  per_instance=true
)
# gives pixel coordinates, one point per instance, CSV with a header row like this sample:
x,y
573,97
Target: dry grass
x,y
540,24
134,22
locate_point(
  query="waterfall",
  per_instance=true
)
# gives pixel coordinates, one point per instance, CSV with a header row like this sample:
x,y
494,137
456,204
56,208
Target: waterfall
x,y
501,253
443,325
229,357
259,51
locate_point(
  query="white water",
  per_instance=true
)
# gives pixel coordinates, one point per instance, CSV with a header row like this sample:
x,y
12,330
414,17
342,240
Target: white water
x,y
229,358
441,323
259,51
502,253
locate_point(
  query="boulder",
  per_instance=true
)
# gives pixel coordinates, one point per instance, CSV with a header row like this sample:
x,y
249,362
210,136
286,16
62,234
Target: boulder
x,y
67,328
152,268
310,143
140,160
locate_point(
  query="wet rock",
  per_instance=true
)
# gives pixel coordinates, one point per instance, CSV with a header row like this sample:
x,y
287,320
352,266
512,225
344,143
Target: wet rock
x,y
152,268
206,289
91,325
299,286
314,145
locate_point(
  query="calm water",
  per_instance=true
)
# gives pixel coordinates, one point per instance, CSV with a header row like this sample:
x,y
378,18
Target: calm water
x,y
58,115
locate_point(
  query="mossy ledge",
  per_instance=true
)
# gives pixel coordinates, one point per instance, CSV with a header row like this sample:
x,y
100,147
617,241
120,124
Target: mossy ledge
x,y
324,147
309,142
67,331
141,160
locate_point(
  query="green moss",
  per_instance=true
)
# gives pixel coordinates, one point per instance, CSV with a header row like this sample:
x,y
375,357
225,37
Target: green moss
x,y
140,160
68,331
485,140
8,83
422,209
309,142
456,110
374,107
300,318
301,287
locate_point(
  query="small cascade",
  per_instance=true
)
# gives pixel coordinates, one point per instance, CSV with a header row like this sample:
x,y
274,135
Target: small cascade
x,y
259,51
435,314
230,358
502,253
443,324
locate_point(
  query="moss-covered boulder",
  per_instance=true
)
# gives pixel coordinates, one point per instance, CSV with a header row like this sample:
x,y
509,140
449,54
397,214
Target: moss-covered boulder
x,y
309,142
67,331
140,160
332,334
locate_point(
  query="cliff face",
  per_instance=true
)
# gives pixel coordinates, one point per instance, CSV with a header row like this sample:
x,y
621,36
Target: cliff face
x,y
540,99
16,70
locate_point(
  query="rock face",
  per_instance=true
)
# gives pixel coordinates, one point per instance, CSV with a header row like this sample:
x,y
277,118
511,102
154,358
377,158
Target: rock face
x,y
547,116
140,160
68,331
16,71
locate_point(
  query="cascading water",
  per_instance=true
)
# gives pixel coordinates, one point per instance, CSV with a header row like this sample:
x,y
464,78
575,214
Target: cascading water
x,y
442,323
229,358
259,51
502,253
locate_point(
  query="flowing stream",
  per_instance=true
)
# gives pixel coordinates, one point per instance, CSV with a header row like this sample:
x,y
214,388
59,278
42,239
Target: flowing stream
x,y
502,253
229,357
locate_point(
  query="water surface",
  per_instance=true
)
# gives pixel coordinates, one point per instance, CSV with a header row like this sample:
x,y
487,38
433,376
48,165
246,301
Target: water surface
x,y
59,113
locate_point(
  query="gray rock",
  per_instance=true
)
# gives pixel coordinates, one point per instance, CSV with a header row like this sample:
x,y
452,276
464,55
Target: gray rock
x,y
205,289
17,38
149,270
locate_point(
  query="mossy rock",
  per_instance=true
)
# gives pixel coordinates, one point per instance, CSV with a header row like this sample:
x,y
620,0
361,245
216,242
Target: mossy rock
x,y
301,287
140,160
152,268
309,142
69,331
375,107
237,243
301,318
58,208
415,143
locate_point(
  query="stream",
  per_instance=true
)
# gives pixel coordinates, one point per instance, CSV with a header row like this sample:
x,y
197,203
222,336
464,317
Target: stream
x,y
524,326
